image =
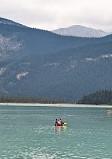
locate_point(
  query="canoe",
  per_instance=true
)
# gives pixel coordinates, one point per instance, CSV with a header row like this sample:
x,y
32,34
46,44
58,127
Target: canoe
x,y
58,125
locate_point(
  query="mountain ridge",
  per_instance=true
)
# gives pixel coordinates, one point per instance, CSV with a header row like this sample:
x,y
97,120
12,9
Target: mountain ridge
x,y
10,22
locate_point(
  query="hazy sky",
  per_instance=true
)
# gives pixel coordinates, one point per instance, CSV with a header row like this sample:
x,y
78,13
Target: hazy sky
x,y
53,14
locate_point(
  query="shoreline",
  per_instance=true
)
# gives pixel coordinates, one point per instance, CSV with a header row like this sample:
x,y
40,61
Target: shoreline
x,y
55,105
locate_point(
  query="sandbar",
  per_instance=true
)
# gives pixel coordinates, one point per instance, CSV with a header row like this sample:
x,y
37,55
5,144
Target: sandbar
x,y
56,105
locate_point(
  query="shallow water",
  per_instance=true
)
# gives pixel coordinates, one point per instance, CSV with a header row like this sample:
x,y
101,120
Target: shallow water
x,y
29,133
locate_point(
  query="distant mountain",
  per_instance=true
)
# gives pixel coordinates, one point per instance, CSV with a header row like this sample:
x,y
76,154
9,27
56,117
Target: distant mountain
x,y
40,63
80,31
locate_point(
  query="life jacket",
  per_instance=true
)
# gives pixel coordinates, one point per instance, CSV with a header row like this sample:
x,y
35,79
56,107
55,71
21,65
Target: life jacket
x,y
60,122
56,122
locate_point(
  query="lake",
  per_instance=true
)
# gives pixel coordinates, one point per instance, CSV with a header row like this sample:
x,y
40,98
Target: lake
x,y
29,133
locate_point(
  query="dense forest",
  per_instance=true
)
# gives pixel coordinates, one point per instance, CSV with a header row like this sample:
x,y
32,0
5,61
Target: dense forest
x,y
99,97
26,99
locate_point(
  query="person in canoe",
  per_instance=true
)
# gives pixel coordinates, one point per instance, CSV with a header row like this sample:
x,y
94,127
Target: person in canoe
x,y
56,122
60,122
109,111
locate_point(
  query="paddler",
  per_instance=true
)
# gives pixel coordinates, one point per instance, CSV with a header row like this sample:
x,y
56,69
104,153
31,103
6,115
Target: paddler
x,y
60,122
56,122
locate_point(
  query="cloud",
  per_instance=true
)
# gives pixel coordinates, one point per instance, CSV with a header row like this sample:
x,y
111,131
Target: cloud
x,y
51,14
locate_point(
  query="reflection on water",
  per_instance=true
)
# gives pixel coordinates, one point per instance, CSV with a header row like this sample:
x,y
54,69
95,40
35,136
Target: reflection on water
x,y
59,129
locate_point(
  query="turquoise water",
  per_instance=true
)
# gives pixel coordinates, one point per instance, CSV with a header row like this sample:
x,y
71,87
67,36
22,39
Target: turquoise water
x,y
28,133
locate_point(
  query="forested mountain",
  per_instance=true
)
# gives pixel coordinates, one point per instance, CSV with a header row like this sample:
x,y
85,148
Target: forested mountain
x,y
99,97
27,40
80,31
39,63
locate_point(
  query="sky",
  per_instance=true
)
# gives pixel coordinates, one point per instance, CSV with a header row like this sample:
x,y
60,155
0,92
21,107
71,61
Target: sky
x,y
53,14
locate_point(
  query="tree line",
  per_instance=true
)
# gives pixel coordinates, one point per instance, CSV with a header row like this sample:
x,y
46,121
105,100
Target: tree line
x,y
99,97
27,99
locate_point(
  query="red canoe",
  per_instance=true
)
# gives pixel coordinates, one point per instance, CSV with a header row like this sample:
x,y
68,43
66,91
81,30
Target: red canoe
x,y
58,125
